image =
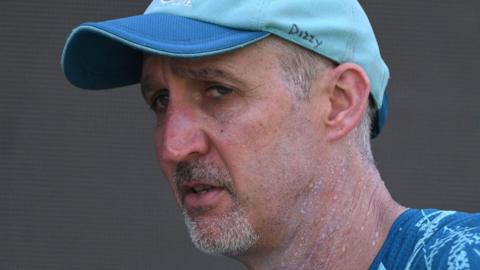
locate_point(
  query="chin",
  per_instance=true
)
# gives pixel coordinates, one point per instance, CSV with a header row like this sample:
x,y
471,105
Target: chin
x,y
229,234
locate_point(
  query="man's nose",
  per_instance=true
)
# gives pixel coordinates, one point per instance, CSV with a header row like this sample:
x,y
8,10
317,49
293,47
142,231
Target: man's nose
x,y
180,136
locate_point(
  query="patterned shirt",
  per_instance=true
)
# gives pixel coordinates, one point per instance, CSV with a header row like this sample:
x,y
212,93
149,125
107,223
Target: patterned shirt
x,y
431,239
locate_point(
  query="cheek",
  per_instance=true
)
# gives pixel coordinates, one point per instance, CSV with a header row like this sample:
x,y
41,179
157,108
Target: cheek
x,y
275,161
167,168
259,164
158,143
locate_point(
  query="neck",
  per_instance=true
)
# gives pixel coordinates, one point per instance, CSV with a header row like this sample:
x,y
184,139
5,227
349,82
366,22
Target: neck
x,y
340,227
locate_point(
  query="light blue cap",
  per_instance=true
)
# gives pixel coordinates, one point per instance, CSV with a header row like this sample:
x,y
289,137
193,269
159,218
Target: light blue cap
x,y
109,54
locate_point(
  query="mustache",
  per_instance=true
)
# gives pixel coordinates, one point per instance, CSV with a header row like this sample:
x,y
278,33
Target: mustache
x,y
205,172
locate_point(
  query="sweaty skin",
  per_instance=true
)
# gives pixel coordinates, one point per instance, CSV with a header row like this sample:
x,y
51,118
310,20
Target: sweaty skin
x,y
288,168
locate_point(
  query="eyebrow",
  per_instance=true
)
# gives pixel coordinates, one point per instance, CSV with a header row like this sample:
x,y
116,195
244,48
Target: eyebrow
x,y
203,74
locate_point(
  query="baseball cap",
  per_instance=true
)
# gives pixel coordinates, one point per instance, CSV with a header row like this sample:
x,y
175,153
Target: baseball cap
x,y
109,54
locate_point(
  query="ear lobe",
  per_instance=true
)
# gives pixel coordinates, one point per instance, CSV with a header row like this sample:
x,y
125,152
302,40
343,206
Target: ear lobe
x,y
348,100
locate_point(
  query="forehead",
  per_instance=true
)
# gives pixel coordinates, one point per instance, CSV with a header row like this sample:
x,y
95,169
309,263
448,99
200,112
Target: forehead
x,y
242,62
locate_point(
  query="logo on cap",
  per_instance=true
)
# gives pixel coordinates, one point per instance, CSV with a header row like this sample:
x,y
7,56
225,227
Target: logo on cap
x,y
187,3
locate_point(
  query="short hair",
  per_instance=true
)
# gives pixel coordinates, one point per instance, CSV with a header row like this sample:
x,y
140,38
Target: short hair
x,y
300,67
363,132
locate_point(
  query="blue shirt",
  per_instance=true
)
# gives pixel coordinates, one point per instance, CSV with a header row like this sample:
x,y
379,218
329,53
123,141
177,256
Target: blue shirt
x,y
431,239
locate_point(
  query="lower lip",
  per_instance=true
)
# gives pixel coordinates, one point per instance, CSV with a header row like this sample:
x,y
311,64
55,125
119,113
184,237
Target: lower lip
x,y
204,199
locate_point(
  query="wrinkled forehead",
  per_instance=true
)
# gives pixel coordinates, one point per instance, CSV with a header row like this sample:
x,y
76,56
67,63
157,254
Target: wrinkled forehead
x,y
211,69
263,49
231,65
246,69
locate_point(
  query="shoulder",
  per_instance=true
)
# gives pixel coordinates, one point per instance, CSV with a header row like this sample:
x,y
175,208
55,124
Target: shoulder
x,y
446,240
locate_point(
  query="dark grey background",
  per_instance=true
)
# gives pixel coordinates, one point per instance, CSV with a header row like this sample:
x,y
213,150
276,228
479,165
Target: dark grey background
x,y
79,184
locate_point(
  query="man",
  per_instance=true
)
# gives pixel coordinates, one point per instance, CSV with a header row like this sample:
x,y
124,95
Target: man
x,y
264,114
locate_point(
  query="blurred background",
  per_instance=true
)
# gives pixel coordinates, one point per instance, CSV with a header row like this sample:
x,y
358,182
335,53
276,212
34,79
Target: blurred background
x,y
79,184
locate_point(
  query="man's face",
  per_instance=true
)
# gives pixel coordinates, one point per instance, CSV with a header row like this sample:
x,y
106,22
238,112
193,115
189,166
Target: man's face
x,y
240,153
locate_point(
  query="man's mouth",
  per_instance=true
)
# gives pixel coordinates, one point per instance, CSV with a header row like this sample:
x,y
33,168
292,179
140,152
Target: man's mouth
x,y
201,189
196,195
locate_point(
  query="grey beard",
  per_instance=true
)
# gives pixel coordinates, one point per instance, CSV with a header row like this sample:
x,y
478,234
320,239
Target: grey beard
x,y
230,234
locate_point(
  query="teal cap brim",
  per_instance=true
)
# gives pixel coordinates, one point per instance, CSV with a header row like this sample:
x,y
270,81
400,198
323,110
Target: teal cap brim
x,y
109,54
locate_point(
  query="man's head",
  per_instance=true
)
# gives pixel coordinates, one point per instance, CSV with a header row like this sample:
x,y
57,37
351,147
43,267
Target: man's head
x,y
243,145
247,136
109,54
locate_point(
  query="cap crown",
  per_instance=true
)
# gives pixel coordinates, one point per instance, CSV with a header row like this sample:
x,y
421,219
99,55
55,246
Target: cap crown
x,y
336,29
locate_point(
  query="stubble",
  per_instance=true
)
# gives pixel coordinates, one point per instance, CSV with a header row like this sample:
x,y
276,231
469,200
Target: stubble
x,y
229,233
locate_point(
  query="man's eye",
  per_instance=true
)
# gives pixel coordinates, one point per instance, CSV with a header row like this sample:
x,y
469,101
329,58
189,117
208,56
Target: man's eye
x,y
218,91
160,102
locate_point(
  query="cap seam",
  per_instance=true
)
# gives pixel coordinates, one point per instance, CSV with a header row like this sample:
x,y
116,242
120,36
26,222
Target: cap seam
x,y
260,22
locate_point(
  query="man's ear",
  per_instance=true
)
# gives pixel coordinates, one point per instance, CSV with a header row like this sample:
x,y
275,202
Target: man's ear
x,y
348,99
